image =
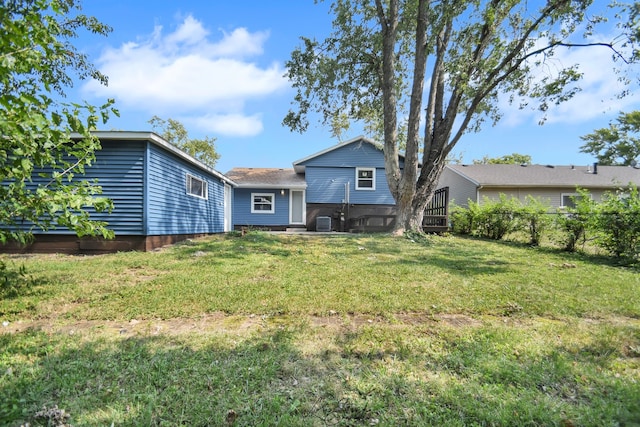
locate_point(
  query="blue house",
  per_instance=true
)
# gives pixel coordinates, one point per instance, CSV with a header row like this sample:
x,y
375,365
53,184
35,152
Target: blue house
x,y
161,195
333,189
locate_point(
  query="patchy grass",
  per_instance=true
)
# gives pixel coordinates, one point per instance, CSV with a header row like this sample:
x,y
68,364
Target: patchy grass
x,y
334,330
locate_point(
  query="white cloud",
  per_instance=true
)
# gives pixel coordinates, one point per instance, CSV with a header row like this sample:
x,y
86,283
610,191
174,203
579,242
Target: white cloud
x,y
599,88
185,74
230,124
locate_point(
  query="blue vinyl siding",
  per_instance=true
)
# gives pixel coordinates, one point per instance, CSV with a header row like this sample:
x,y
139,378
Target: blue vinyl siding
x,y
119,169
170,209
327,185
242,208
357,154
120,172
327,174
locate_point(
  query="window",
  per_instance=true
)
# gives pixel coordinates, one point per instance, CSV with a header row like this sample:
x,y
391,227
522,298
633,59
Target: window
x,y
365,179
569,200
263,203
197,187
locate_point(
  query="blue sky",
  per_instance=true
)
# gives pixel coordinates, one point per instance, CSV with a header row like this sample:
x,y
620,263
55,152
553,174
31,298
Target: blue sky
x,y
218,68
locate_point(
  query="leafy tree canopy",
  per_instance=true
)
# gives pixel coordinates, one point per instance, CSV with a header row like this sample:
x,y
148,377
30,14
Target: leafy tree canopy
x,y
509,159
38,158
420,74
175,133
619,144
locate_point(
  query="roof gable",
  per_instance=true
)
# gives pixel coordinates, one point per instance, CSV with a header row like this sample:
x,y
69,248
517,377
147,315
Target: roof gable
x,y
368,152
548,176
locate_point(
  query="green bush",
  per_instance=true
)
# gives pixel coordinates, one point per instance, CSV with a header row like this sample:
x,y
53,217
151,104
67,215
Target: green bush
x,y
495,218
533,218
574,222
617,223
461,219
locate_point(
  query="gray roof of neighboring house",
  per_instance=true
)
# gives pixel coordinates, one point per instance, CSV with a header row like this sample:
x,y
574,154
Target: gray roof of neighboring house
x,y
267,178
548,176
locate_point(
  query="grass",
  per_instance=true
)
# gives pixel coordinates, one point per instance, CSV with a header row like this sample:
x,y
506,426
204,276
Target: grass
x,y
334,330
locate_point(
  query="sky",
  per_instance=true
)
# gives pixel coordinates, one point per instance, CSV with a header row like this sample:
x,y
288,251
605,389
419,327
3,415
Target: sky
x,y
219,68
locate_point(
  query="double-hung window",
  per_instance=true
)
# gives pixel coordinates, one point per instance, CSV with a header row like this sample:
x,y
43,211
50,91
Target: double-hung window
x,y
197,187
365,178
263,203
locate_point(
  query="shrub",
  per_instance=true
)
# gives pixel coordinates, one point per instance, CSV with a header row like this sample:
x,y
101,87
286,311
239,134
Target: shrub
x,y
574,222
533,218
496,218
617,223
461,219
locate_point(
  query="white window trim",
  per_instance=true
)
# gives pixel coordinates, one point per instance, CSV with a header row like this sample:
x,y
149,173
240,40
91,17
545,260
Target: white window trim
x,y
373,184
205,187
563,195
273,203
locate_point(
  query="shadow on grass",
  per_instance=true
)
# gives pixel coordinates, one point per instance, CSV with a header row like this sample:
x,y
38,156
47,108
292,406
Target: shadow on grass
x,y
16,282
480,378
366,376
146,380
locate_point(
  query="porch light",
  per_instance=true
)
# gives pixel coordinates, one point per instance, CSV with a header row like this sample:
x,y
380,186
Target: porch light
x,y
282,192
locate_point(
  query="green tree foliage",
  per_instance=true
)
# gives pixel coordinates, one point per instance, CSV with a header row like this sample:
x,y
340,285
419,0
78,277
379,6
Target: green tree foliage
x,y
424,73
509,159
38,158
175,133
619,144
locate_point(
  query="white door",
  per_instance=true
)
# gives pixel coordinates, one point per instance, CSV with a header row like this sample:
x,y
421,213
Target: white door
x,y
228,208
297,207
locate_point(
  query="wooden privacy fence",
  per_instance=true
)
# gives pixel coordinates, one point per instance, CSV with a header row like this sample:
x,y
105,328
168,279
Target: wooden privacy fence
x,y
436,215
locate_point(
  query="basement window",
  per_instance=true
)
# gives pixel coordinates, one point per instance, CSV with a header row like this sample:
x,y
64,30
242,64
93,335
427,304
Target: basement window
x,y
197,187
263,203
365,178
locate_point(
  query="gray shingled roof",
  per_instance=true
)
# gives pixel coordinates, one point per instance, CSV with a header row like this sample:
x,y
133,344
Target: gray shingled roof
x,y
549,176
266,178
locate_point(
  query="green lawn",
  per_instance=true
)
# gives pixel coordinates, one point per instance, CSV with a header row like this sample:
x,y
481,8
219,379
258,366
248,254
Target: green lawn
x,y
340,330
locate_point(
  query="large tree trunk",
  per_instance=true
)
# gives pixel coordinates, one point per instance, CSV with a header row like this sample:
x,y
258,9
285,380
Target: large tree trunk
x,y
412,204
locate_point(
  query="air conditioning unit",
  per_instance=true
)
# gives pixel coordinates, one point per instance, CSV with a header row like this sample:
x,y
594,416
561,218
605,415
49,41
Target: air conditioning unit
x,y
323,223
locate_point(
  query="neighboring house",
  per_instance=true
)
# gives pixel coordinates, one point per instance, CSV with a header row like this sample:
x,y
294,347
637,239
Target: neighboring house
x,y
341,188
553,185
161,195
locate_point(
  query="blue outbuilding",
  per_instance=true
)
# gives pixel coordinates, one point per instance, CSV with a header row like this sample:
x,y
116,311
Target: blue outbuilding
x,y
161,195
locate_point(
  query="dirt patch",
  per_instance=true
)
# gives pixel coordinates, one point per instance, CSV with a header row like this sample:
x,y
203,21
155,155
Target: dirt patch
x,y
244,324
206,323
458,320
